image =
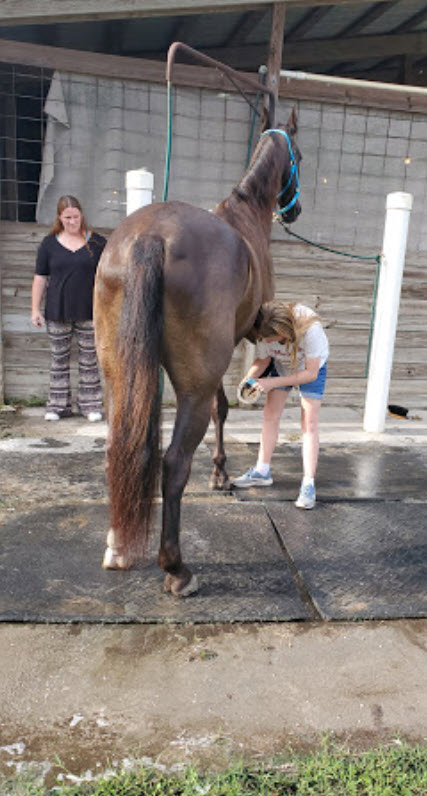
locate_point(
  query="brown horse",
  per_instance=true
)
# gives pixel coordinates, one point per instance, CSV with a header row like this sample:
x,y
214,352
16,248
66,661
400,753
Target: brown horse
x,y
178,287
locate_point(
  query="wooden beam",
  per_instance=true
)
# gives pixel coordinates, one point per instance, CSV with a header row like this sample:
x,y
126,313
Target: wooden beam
x,y
296,54
275,51
317,51
75,61
27,12
245,27
412,22
369,16
180,29
307,22
114,66
354,92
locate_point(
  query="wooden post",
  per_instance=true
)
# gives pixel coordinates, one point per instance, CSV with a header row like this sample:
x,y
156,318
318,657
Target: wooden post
x,y
275,53
1,348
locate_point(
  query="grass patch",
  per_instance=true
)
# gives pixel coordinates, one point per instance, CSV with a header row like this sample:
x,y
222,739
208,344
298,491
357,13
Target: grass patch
x,y
33,400
397,770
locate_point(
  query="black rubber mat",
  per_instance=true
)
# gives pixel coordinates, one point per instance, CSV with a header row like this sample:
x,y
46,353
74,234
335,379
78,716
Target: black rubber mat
x,y
50,569
360,554
359,560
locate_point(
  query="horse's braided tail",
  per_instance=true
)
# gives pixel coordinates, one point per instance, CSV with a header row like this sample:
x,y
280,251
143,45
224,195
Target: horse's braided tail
x,y
135,440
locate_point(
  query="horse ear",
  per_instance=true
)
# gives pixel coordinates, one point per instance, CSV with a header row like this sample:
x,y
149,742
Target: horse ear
x,y
292,123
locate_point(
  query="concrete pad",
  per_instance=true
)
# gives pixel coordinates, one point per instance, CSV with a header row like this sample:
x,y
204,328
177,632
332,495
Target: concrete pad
x,y
339,425
371,472
207,695
50,569
359,560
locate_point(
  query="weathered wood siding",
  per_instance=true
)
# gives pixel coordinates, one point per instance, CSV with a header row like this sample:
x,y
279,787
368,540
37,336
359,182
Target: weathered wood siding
x,y
340,289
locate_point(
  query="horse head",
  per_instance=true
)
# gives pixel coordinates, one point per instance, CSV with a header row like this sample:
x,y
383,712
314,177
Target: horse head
x,y
288,198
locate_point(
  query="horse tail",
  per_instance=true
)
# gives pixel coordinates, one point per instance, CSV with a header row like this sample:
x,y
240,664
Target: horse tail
x,y
134,450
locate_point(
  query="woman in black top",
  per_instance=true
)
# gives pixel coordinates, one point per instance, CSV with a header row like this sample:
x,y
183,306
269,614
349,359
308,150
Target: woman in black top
x,y
65,268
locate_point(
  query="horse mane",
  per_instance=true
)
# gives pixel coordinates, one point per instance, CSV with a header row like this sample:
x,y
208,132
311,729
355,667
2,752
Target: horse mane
x,y
254,195
263,177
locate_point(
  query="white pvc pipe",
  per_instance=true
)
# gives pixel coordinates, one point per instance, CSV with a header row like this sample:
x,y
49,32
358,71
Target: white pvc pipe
x,y
350,82
398,206
139,189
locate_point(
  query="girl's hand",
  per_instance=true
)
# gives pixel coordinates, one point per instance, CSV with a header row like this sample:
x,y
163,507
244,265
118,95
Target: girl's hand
x,y
266,384
37,319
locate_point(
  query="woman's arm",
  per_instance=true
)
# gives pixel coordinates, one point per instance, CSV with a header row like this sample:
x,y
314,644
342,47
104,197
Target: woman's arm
x,y
37,293
257,367
305,376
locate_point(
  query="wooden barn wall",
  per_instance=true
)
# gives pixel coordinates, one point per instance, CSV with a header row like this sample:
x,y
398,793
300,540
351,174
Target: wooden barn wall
x,y
338,288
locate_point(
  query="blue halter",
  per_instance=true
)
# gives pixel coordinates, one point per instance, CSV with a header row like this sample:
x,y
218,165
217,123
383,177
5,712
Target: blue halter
x,y
293,173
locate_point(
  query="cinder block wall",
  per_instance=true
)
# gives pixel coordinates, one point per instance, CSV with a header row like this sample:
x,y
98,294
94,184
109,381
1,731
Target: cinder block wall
x,y
352,158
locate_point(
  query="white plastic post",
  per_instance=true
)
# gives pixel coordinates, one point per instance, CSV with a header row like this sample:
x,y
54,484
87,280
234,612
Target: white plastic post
x,y
139,189
398,206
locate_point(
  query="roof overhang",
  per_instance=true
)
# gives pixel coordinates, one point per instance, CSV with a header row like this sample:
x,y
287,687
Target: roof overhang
x,y
26,12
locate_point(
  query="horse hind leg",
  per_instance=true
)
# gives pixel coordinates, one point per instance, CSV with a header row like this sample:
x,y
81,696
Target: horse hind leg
x,y
115,556
191,422
219,478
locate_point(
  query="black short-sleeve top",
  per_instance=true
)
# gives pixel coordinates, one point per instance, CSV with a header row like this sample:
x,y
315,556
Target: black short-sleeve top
x,y
69,295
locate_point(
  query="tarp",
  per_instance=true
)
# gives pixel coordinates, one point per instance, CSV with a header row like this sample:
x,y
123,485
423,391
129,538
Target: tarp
x,y
94,134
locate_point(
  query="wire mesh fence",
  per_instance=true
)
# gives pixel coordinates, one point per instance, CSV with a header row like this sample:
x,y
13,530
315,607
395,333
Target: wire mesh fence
x,y
23,92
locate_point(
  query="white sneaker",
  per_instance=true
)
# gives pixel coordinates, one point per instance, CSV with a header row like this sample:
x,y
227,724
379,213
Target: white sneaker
x,y
306,498
51,416
253,478
94,417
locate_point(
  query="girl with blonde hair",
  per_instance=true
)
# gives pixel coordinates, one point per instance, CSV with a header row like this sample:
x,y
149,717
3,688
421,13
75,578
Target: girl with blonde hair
x,y
292,352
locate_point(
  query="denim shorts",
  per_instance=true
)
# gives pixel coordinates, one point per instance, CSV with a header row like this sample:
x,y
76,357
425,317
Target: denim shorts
x,y
313,389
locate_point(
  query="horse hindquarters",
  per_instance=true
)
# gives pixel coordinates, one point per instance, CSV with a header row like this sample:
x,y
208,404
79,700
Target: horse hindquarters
x,y
133,450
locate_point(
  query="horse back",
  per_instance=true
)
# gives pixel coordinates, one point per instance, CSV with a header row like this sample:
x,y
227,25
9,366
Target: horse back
x,y
211,295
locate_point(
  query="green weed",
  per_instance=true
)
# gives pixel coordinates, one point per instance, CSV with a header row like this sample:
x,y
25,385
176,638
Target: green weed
x,y
396,770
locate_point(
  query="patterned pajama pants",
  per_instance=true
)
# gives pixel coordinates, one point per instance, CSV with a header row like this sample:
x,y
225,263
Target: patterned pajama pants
x,y
89,397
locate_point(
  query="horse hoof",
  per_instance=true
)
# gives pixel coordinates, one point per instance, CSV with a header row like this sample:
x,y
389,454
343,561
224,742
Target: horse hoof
x,y
221,484
172,584
114,560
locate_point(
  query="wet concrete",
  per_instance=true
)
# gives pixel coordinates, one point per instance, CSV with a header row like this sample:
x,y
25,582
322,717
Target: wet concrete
x,y
213,678
346,472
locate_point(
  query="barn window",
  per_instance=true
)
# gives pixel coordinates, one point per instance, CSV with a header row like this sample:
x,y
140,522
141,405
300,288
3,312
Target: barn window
x,y
23,91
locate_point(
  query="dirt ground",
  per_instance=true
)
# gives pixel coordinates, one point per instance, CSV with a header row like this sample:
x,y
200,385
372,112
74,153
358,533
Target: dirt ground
x,y
95,695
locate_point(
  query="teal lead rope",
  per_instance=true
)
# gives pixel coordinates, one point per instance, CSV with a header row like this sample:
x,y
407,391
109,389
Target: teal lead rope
x,y
168,143
374,257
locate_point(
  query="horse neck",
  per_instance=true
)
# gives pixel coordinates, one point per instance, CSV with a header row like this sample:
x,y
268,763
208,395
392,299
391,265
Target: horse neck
x,y
255,229
252,223
252,201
